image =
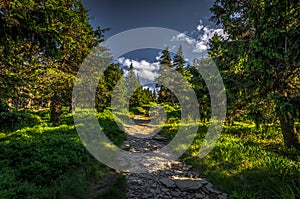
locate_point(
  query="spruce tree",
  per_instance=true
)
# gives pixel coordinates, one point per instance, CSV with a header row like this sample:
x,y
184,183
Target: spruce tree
x,y
165,61
260,57
179,61
42,45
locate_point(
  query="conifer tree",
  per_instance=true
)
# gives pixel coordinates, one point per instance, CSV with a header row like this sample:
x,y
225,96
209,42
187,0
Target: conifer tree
x,y
165,61
179,61
260,56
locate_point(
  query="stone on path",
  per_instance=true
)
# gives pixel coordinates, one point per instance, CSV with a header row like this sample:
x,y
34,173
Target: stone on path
x,y
189,184
160,138
166,180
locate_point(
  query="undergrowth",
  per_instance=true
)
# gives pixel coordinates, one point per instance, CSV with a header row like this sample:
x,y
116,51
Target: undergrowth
x,y
39,160
245,162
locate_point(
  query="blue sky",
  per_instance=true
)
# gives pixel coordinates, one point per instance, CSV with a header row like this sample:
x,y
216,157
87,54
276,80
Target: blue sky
x,y
121,15
190,18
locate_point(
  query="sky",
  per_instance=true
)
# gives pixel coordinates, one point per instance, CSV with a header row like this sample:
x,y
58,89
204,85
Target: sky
x,y
189,17
120,15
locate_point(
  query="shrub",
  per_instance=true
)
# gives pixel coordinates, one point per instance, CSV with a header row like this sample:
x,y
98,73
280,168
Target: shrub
x,y
4,108
15,120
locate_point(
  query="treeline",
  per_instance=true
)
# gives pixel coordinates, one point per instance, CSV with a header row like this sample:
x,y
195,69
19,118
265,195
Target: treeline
x,y
43,44
190,74
127,91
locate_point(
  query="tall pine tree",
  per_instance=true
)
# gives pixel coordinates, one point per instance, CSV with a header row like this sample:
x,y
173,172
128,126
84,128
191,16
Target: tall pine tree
x,y
42,45
165,61
261,56
179,61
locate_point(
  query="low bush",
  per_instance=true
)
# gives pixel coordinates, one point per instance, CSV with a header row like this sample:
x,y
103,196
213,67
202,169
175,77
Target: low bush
x,y
17,120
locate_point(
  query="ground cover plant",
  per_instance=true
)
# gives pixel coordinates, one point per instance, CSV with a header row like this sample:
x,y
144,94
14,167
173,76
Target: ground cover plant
x,y
246,162
45,161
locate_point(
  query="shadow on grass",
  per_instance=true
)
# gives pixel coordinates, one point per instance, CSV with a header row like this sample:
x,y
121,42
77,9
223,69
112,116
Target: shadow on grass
x,y
256,183
247,164
110,126
48,162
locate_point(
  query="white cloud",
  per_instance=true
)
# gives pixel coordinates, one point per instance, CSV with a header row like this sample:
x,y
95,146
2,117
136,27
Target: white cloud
x,y
146,71
200,27
158,56
196,44
201,46
184,37
204,34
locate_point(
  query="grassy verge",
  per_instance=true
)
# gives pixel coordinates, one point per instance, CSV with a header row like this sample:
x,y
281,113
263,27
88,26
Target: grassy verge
x,y
43,161
246,163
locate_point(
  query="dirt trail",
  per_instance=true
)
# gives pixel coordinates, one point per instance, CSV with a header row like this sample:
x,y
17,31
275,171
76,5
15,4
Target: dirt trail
x,y
170,180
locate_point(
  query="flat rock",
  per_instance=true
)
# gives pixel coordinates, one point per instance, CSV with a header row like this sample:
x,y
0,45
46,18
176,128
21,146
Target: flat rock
x,y
223,196
175,193
189,184
167,182
159,137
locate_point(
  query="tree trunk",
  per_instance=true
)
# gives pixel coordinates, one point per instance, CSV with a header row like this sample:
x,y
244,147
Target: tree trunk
x,y
289,131
55,110
72,106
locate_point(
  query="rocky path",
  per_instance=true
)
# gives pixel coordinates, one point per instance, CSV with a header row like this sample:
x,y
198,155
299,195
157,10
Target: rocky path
x,y
170,180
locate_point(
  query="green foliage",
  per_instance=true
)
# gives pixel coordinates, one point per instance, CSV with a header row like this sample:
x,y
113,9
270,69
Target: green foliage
x,y
106,85
117,190
16,120
165,58
245,163
201,91
37,159
141,97
179,61
4,108
42,47
42,161
164,93
259,58
109,125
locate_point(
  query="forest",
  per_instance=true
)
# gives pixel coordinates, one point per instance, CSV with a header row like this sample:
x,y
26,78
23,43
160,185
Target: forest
x,y
42,47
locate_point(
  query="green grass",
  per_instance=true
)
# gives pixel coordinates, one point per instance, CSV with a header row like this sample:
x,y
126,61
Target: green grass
x,y
250,165
39,160
117,190
109,125
245,162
